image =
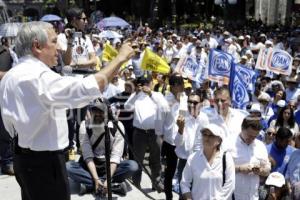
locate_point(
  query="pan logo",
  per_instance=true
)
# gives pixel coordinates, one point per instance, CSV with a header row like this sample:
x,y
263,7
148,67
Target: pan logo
x,y
246,76
221,64
281,61
240,91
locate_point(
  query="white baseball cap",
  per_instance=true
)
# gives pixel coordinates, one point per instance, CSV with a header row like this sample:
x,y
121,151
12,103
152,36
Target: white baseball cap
x,y
255,107
275,179
281,103
269,42
215,130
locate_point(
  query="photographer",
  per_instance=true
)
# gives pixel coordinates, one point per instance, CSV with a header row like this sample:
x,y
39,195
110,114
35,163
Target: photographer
x,y
78,50
90,171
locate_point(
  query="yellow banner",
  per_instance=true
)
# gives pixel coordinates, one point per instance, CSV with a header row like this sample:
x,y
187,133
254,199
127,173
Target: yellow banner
x,y
109,53
153,62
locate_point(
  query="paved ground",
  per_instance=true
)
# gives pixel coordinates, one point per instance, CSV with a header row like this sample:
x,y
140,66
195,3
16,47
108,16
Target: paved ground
x,y
9,190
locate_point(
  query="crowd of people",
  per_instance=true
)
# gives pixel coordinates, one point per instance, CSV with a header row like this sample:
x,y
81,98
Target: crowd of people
x,y
56,87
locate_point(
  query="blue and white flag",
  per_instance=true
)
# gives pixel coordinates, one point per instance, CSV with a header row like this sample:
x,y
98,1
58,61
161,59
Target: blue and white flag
x,y
190,67
242,80
219,66
280,62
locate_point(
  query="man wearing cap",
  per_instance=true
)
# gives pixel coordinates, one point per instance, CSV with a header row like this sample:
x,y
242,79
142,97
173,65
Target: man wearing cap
x,y
264,100
144,103
292,90
251,160
233,48
255,48
255,111
90,172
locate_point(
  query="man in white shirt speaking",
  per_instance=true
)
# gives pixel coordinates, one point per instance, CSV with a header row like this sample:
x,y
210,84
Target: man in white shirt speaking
x,y
34,100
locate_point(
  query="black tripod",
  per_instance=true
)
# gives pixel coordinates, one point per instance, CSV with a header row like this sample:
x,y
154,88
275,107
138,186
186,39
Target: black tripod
x,y
110,123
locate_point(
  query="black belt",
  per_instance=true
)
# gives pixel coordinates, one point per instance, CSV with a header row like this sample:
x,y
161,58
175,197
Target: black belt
x,y
145,131
20,150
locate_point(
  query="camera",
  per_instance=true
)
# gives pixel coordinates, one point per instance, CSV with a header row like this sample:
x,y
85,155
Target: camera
x,y
69,32
100,194
77,34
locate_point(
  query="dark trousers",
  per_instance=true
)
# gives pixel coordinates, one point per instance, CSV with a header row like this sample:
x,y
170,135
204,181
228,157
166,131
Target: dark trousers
x,y
6,151
180,167
129,135
80,175
42,175
142,141
171,163
75,117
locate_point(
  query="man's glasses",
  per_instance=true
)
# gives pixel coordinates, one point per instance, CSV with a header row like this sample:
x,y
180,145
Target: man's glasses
x,y
222,100
271,133
193,103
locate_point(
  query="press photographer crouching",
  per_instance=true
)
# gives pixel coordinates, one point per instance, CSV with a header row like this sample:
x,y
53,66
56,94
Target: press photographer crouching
x,y
90,170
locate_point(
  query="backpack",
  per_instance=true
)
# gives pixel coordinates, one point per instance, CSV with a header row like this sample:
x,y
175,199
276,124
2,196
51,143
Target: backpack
x,y
224,170
97,162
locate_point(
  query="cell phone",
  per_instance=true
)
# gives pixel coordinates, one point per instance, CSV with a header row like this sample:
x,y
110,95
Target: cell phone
x,y
182,112
77,34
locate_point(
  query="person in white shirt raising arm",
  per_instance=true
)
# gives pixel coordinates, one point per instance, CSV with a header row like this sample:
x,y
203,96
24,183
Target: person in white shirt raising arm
x,y
34,100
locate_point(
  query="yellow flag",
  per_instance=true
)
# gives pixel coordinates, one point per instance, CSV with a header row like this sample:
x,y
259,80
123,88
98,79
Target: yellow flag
x,y
153,62
109,53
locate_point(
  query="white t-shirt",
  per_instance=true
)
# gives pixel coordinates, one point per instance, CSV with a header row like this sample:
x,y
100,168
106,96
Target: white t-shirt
x,y
81,47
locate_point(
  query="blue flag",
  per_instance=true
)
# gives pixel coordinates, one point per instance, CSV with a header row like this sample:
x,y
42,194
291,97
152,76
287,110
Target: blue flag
x,y
219,66
242,80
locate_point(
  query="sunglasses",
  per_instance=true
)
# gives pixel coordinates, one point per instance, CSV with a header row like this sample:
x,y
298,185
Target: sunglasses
x,y
193,103
83,18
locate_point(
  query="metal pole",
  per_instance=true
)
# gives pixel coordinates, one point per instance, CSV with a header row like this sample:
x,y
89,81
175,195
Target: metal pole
x,y
107,159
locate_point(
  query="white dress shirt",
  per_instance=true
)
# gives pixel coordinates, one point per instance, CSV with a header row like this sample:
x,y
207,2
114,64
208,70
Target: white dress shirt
x,y
34,100
110,91
191,139
167,115
145,109
205,181
232,125
246,185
